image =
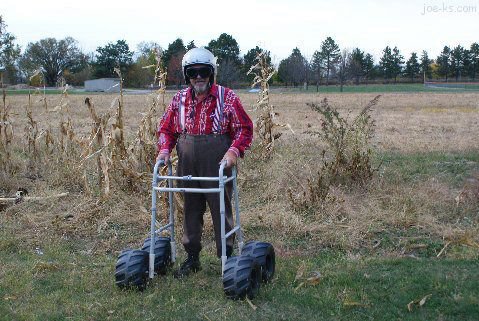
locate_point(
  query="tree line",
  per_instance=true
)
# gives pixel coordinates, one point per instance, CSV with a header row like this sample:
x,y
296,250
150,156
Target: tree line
x,y
54,61
331,64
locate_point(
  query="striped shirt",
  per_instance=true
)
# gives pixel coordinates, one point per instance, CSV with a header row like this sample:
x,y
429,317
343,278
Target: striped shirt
x,y
199,118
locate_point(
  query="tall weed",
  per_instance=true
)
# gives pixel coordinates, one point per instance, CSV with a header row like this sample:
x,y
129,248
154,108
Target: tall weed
x,y
347,161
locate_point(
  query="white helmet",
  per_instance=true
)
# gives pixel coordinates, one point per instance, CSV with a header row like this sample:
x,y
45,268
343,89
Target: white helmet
x,y
198,56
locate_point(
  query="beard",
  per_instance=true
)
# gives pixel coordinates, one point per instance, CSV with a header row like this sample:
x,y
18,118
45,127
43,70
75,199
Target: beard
x,y
201,88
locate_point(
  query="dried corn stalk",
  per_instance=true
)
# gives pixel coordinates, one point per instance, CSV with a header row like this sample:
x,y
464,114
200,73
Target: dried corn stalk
x,y
146,135
265,123
49,141
178,197
43,98
31,131
117,135
6,134
97,146
143,151
160,77
68,139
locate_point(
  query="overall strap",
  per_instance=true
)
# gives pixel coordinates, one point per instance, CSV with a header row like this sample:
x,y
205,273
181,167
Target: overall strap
x,y
220,101
182,110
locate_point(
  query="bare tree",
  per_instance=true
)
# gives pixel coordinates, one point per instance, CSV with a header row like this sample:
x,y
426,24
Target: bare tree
x,y
343,67
228,72
54,57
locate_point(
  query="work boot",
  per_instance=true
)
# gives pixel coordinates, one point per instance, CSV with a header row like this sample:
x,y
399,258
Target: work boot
x,y
190,265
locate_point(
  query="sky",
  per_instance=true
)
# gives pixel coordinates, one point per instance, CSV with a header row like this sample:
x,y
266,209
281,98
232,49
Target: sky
x,y
275,25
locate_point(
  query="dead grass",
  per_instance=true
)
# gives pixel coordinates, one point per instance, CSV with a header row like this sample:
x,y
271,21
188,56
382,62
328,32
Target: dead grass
x,y
405,121
361,218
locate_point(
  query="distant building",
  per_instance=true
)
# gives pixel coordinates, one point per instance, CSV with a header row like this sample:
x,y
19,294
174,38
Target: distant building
x,y
108,85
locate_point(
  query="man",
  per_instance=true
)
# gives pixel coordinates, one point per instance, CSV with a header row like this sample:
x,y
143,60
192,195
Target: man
x,y
208,124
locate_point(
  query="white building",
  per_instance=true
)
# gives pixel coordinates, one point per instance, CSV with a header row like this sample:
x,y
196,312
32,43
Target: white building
x,y
108,85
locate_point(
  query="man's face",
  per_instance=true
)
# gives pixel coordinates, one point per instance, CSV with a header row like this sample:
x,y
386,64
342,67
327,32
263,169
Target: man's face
x,y
199,77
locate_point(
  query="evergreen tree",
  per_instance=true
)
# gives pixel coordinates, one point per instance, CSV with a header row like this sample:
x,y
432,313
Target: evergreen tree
x,y
413,68
190,45
171,60
425,65
111,56
444,62
386,63
473,60
226,49
177,47
458,61
249,60
391,63
398,61
368,66
294,69
330,52
283,71
356,64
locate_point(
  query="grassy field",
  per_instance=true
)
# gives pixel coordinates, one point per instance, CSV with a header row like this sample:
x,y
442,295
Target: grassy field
x,y
65,284
410,234
383,88
371,88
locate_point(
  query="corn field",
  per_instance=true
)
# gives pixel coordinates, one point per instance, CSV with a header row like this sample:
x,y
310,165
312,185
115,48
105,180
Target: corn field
x,y
104,158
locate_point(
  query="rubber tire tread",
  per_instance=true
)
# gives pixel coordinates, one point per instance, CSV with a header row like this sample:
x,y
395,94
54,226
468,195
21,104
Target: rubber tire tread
x,y
162,253
263,254
241,277
131,269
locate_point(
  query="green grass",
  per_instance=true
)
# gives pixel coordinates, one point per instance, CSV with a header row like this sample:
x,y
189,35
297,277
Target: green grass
x,y
64,284
451,168
376,88
50,91
32,91
372,88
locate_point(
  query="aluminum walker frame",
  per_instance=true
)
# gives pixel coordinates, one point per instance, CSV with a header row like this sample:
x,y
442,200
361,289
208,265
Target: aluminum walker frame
x,y
221,179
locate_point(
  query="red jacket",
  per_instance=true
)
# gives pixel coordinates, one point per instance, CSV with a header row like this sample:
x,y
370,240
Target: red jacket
x,y
199,120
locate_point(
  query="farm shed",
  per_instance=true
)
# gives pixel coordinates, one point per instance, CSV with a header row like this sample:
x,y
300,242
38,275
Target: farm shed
x,y
109,85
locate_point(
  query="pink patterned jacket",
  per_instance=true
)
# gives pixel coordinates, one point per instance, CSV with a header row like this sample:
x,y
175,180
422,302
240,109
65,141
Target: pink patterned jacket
x,y
198,118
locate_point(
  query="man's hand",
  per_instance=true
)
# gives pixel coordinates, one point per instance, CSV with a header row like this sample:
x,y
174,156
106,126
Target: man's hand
x,y
163,156
230,158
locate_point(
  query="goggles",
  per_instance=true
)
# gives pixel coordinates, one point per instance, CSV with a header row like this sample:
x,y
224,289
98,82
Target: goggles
x,y
203,72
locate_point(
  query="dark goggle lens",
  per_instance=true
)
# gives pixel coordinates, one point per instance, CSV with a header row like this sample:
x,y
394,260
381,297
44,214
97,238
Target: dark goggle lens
x,y
203,72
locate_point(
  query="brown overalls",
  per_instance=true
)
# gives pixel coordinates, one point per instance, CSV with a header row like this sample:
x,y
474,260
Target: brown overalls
x,y
200,155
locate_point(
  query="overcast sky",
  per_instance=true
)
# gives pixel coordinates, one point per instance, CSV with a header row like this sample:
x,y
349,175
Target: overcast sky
x,y
276,25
